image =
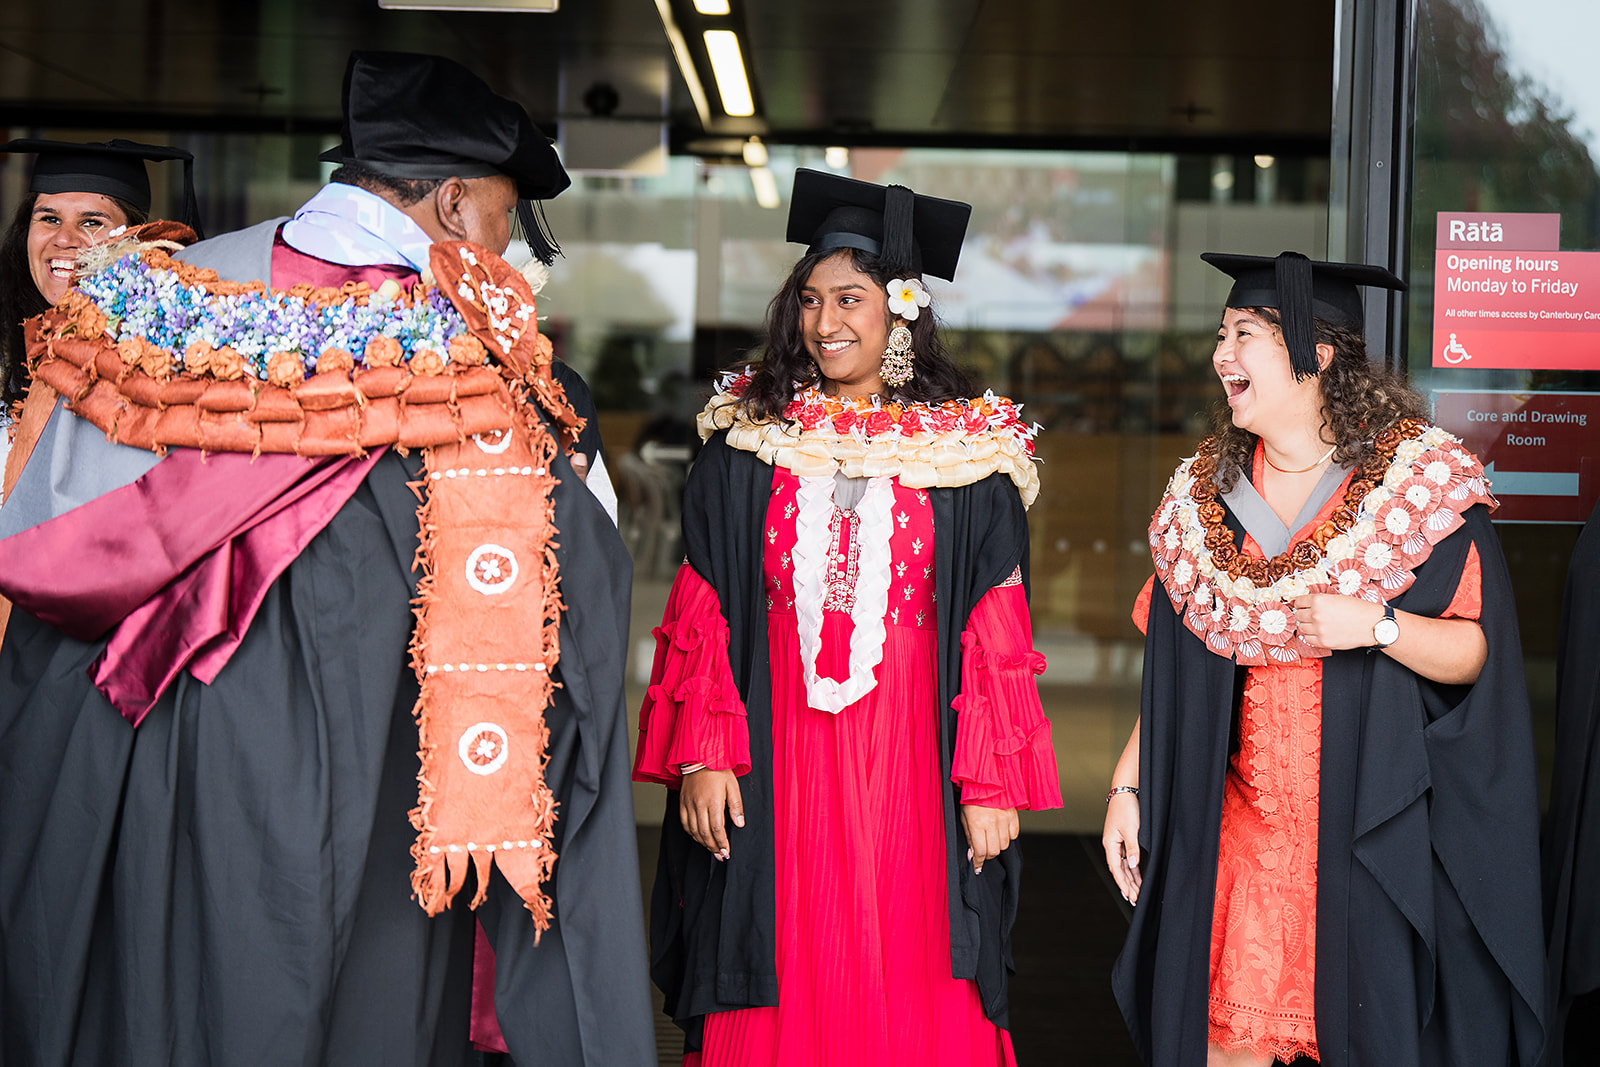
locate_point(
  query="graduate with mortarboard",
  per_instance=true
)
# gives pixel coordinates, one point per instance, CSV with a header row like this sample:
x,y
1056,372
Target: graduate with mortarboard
x,y
842,705
77,195
1327,815
278,690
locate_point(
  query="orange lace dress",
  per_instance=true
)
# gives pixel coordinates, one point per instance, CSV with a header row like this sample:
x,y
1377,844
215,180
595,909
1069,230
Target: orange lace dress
x,y
1263,927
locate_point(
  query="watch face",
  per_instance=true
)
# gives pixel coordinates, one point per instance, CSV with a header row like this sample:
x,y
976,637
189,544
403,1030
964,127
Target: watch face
x,y
1387,631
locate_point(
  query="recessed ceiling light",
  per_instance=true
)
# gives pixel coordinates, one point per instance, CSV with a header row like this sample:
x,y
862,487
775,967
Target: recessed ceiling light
x,y
711,7
755,153
766,187
837,157
727,65
1265,161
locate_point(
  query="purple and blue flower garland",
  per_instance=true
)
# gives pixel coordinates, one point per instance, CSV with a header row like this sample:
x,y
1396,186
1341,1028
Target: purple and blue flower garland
x,y
140,300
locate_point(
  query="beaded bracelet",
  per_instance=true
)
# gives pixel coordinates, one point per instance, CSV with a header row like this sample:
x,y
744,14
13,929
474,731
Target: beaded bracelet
x,y
1121,789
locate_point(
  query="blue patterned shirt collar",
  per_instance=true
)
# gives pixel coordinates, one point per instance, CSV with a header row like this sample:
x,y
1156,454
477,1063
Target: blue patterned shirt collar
x,y
348,225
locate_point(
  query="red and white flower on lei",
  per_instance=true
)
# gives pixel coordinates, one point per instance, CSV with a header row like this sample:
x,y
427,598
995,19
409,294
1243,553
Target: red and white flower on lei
x,y
1387,528
957,442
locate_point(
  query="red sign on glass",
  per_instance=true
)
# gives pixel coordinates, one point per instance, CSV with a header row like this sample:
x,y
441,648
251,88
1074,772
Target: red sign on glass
x,y
1538,448
1498,229
1516,309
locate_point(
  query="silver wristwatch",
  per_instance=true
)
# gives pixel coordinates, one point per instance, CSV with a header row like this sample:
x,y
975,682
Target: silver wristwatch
x,y
1386,631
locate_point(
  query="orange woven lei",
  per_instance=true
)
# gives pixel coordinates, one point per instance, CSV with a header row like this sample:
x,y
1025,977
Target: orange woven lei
x,y
488,607
1407,499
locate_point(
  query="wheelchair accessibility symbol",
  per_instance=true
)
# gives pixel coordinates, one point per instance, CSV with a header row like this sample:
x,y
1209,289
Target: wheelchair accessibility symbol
x,y
1454,352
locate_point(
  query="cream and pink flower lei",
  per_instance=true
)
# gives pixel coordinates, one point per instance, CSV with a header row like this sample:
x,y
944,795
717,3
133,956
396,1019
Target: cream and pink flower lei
x,y
957,442
1401,504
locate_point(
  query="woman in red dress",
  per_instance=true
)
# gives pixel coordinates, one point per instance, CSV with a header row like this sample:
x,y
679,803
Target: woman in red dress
x,y
1367,892
843,700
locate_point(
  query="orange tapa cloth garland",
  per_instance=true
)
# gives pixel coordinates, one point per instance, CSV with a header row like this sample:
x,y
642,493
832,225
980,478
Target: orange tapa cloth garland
x,y
488,606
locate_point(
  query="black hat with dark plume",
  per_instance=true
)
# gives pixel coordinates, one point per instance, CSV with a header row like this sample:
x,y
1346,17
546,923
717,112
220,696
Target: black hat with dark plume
x,y
413,116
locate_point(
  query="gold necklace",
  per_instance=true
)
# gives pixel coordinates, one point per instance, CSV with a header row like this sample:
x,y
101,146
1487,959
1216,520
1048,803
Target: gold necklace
x,y
1302,470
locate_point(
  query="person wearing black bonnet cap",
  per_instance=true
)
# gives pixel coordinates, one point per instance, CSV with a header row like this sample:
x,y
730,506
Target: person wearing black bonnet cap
x,y
78,195
1333,673
844,647
411,122
373,864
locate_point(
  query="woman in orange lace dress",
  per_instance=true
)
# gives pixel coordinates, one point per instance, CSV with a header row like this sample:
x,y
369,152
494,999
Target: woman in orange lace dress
x,y
1315,888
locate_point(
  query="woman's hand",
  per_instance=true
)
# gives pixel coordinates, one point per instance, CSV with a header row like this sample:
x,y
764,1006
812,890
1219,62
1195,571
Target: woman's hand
x,y
1451,651
1121,841
1332,620
706,798
1121,835
989,832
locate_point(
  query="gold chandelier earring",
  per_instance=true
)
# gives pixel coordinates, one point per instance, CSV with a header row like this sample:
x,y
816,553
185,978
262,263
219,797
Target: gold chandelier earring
x,y
899,361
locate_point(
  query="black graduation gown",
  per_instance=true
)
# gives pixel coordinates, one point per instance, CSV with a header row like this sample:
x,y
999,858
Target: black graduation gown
x,y
1572,830
1427,863
712,924
229,883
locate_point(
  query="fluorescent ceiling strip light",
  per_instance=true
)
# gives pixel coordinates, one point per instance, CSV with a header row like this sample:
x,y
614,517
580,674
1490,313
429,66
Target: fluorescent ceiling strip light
x,y
728,67
680,52
544,6
766,187
711,7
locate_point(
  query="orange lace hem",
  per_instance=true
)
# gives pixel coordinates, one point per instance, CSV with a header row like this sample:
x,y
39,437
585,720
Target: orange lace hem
x,y
1282,1035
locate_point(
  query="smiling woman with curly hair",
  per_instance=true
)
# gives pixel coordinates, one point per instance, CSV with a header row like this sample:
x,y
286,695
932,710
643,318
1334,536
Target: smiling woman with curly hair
x,y
1360,400
1327,814
786,359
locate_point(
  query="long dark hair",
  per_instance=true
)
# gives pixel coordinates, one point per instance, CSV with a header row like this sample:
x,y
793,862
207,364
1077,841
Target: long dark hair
x,y
785,361
1360,400
20,298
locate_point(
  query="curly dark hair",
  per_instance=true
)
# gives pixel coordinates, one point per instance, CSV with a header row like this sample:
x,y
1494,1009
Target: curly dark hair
x,y
20,298
1360,400
785,361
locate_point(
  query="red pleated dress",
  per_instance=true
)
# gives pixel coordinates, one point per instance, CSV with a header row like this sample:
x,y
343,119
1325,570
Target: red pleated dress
x,y
863,941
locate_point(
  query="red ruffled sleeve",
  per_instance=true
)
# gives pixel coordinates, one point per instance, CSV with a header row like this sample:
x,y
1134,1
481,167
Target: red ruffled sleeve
x,y
1003,757
692,712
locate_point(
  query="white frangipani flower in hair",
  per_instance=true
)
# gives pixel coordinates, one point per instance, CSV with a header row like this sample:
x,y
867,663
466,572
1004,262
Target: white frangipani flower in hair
x,y
907,297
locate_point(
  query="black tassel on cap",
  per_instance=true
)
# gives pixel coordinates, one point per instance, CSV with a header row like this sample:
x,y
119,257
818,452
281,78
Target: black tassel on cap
x,y
899,223
191,205
536,231
1294,283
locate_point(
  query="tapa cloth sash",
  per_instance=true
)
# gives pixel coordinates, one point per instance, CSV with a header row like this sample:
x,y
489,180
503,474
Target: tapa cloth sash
x,y
489,603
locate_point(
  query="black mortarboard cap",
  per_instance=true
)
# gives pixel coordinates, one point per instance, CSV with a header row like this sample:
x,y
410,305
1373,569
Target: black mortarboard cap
x,y
1301,289
413,116
907,231
112,168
